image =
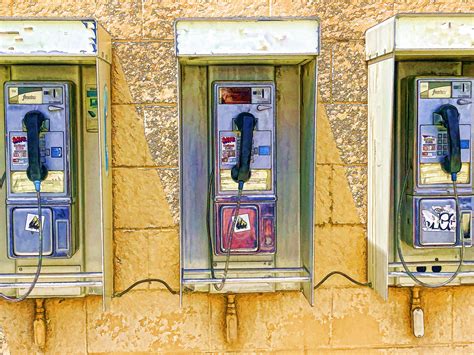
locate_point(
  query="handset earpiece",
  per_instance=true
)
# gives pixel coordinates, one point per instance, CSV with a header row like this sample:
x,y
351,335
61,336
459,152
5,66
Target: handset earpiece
x,y
33,121
449,117
245,123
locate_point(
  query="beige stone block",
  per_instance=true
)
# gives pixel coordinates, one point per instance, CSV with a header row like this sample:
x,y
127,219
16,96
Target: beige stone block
x,y
66,322
433,6
163,257
16,323
139,199
159,15
437,306
462,349
130,258
349,126
326,149
5,8
122,18
340,19
463,314
149,69
323,203
362,319
54,8
275,321
349,72
161,131
149,321
170,180
120,89
129,144
344,210
340,248
325,71
217,324
357,179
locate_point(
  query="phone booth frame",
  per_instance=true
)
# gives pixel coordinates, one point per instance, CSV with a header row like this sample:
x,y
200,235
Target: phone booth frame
x,y
48,49
402,46
281,50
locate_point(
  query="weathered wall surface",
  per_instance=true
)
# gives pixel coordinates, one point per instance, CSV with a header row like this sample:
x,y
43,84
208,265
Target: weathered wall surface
x,y
345,318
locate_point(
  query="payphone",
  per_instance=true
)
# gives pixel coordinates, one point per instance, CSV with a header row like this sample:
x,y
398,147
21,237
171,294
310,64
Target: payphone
x,y
247,138
435,207
244,137
244,131
55,199
39,153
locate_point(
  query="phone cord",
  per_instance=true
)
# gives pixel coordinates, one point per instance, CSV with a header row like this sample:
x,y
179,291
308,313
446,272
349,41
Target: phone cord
x,y
40,258
399,249
3,178
230,234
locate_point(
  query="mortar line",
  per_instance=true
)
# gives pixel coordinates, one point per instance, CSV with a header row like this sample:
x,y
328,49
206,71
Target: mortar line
x,y
145,167
331,197
331,81
161,229
146,103
326,224
344,102
141,40
344,164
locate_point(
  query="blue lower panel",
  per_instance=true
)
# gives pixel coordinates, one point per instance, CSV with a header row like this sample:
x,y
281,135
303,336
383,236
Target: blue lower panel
x,y
23,230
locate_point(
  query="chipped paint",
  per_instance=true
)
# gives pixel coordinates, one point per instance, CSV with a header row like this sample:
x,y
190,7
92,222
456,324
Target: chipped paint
x,y
247,37
30,37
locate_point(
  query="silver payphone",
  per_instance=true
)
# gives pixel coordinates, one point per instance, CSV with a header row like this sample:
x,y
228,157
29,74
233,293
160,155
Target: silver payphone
x,y
435,207
38,133
247,135
244,131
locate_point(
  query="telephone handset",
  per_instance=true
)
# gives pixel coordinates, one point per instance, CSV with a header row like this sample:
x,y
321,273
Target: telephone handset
x,y
245,123
36,171
449,117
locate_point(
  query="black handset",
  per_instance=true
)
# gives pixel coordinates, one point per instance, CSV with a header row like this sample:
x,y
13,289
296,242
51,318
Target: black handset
x,y
33,121
450,120
246,123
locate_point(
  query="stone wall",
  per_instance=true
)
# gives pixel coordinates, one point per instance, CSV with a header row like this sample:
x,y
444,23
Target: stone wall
x,y
346,318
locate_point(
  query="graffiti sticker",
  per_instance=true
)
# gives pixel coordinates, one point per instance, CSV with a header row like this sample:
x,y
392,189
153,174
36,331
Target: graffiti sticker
x,y
439,218
32,223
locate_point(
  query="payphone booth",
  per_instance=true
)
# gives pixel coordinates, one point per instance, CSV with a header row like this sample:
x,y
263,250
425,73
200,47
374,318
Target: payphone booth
x,y
247,103
421,131
55,209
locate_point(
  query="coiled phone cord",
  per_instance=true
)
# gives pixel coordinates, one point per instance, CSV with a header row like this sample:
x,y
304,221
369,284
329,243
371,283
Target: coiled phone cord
x,y
398,241
40,255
